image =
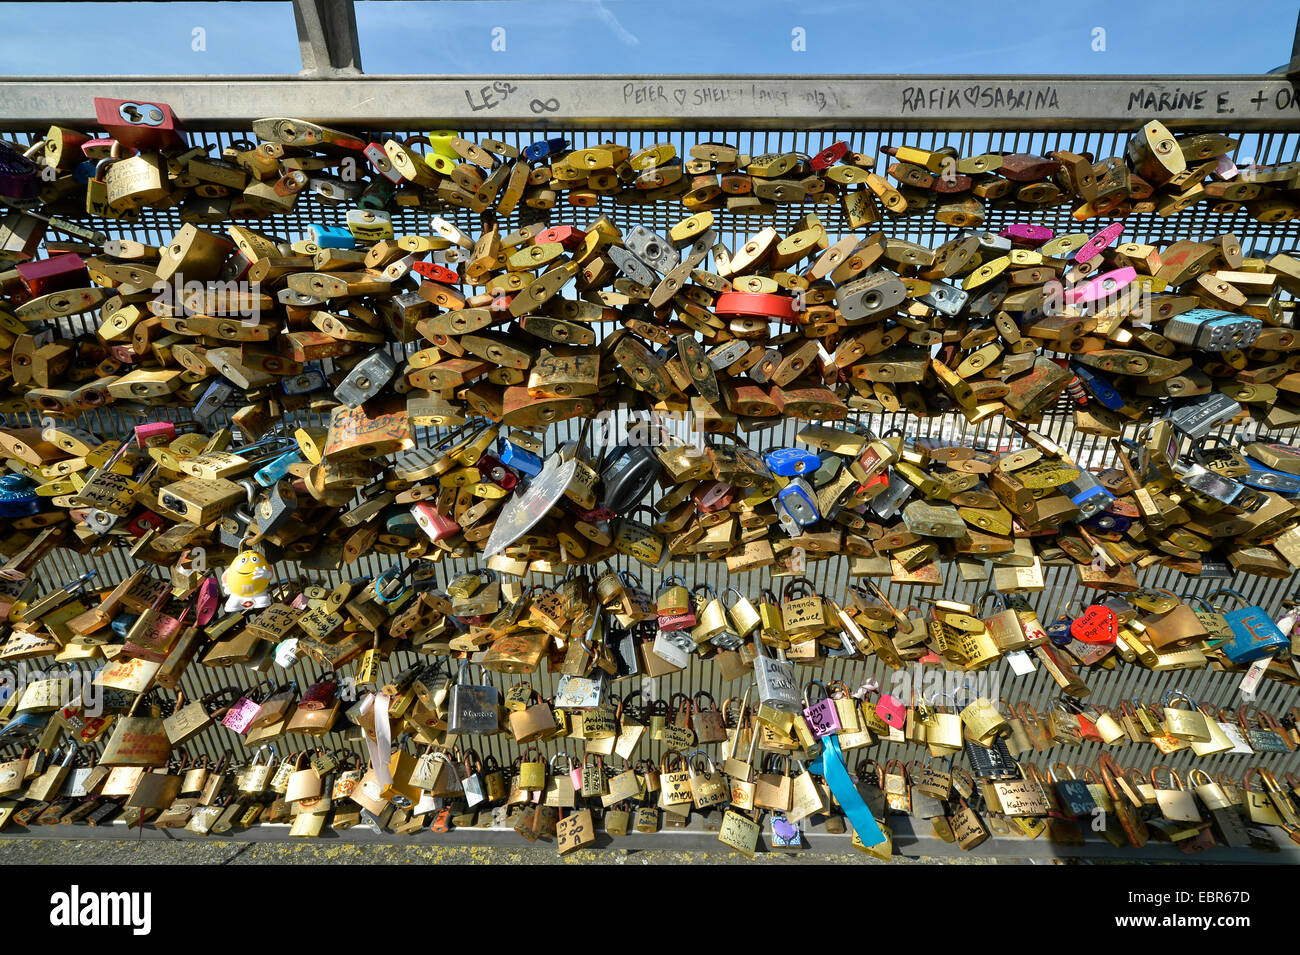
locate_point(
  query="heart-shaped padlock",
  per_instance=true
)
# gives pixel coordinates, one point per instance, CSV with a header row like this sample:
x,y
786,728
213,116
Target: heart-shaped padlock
x,y
891,710
1097,625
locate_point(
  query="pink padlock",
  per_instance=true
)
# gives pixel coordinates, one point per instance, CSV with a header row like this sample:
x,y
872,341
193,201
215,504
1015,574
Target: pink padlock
x,y
1225,169
209,598
99,148
1027,234
1098,242
1103,286
240,716
154,434
891,710
575,771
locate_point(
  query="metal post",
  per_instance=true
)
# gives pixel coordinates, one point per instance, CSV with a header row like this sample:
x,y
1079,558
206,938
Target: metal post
x,y
327,36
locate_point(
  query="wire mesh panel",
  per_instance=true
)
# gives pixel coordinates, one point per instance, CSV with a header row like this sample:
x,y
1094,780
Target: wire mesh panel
x,y
829,575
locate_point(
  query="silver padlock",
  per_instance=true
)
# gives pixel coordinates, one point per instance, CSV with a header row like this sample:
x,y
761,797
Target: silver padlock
x,y
944,298
799,502
1211,329
213,399
632,267
1196,419
330,189
989,240
728,354
366,379
886,505
651,249
869,295
1222,489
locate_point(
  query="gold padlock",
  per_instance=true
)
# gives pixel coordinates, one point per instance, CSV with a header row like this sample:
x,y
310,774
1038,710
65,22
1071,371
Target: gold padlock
x,y
744,616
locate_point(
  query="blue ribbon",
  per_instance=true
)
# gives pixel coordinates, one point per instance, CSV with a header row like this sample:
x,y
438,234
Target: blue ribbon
x,y
830,765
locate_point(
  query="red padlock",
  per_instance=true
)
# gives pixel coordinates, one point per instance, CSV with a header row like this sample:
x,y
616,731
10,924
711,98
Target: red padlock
x,y
59,272
436,526
493,470
140,125
891,710
1097,625
378,158
829,156
436,273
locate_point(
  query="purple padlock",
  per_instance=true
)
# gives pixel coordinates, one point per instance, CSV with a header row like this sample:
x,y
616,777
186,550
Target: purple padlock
x,y
1094,245
822,717
892,711
1026,234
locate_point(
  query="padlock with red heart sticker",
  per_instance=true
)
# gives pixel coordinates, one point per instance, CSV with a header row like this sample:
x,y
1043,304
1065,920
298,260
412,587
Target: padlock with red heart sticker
x,y
1097,625
892,711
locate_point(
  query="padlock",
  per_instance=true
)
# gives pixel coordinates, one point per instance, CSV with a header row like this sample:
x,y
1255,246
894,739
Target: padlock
x,y
710,614
822,716
1212,330
627,474
744,616
1255,635
798,502
674,600
1186,724
366,379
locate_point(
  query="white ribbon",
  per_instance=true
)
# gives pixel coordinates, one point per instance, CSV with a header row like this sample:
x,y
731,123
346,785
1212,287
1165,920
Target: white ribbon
x,y
379,743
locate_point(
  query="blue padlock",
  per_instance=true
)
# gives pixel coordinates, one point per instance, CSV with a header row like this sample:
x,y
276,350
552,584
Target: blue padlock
x,y
214,397
331,236
799,502
402,523
1107,522
1254,634
18,496
791,462
517,458
1105,393
310,379
24,728
277,468
1058,631
1089,495
121,624
536,152
1269,480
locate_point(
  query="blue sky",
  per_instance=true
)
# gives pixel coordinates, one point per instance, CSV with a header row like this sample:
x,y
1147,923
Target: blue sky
x,y
661,36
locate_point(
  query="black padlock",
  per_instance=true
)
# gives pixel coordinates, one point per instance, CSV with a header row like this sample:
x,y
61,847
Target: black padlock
x,y
628,474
